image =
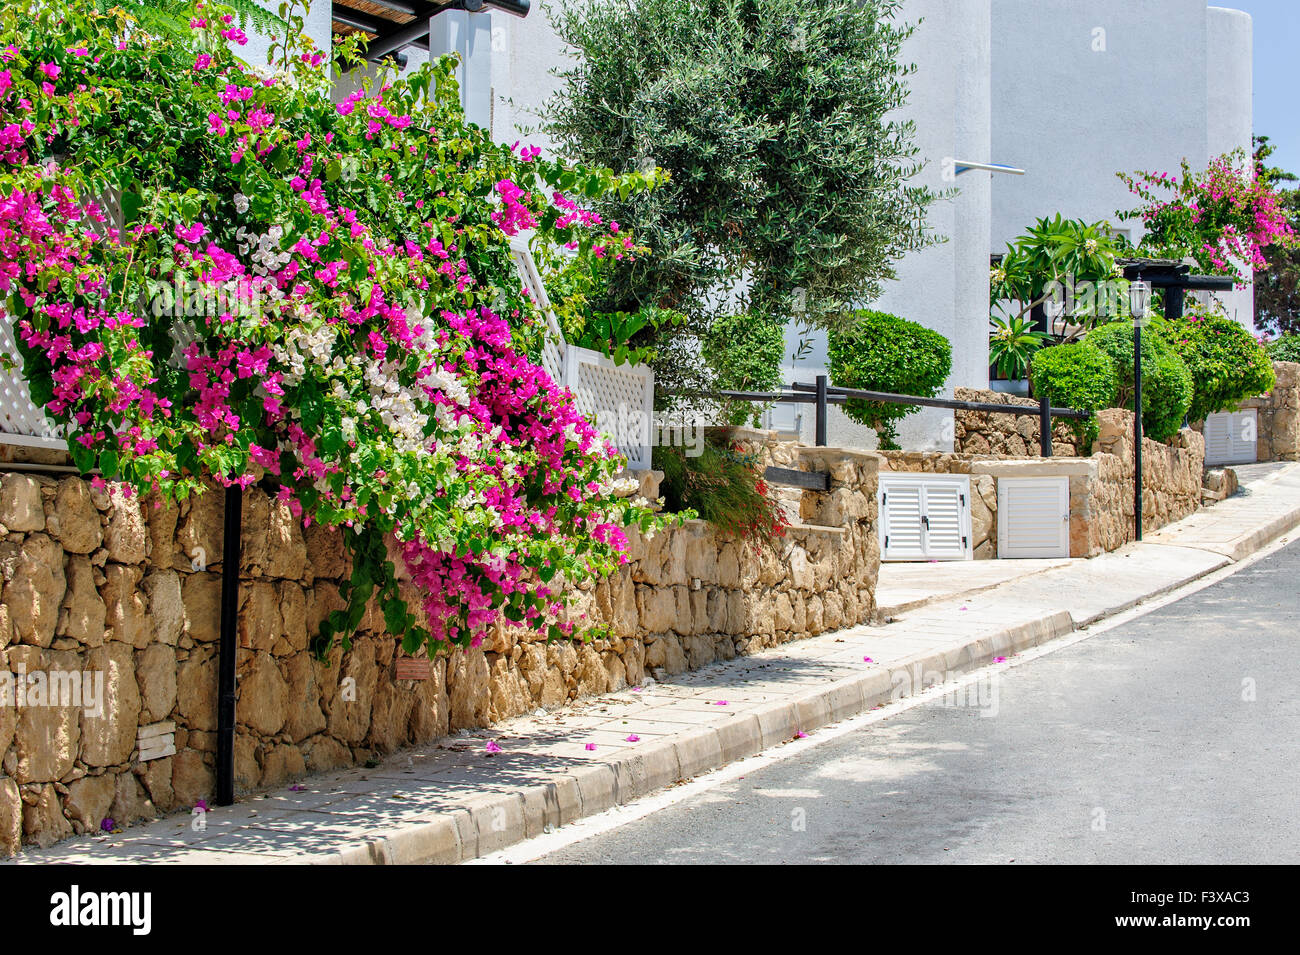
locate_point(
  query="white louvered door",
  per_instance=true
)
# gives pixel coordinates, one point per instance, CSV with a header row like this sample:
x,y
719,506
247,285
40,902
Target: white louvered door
x,y
1230,437
1034,517
924,517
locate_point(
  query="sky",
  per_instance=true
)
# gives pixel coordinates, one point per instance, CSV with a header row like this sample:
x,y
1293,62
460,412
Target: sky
x,y
1277,106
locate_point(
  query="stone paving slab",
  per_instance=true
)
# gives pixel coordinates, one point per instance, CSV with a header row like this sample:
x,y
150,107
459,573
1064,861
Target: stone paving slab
x,y
453,801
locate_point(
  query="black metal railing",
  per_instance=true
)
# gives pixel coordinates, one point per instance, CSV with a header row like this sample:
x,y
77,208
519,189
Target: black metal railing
x,y
822,395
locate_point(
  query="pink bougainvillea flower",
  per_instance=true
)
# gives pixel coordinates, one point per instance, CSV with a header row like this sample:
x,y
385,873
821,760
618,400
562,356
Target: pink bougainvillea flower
x,y
201,805
801,735
52,70
999,659
720,703
491,747
868,660
591,747
633,738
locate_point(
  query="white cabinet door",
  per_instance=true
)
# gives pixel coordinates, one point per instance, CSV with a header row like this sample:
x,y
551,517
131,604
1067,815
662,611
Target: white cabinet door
x,y
1034,517
1230,437
924,517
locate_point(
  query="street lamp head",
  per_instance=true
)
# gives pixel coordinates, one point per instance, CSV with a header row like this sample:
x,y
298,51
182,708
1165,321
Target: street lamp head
x,y
1139,300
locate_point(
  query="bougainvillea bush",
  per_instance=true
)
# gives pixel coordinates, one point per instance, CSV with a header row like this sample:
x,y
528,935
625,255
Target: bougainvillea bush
x,y
1224,217
217,272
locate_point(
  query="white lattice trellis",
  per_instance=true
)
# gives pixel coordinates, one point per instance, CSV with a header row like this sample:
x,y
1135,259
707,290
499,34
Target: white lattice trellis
x,y
22,423
553,346
618,398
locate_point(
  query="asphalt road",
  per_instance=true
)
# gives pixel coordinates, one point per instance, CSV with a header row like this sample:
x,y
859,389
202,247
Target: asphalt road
x,y
1139,745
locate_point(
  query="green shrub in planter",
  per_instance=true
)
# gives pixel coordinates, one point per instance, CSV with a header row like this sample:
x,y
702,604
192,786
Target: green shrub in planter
x,y
1227,364
1076,376
882,352
1167,386
1286,348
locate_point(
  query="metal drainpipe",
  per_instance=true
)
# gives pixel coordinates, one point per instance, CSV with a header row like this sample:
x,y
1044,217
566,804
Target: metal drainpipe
x,y
227,647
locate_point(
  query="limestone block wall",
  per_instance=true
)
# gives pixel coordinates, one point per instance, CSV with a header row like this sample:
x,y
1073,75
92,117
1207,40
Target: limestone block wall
x,y
1101,486
978,432
100,589
1171,479
1278,414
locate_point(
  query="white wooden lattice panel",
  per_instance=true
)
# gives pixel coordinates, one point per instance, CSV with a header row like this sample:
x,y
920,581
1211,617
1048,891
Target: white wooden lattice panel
x,y
21,421
553,346
618,398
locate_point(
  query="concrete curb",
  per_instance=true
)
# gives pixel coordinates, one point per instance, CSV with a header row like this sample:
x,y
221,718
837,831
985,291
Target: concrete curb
x,y
497,820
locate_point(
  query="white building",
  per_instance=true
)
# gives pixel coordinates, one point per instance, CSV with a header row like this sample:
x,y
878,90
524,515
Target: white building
x,y
1071,91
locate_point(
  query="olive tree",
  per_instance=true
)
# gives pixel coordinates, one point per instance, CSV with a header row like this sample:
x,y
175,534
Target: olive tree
x,y
778,123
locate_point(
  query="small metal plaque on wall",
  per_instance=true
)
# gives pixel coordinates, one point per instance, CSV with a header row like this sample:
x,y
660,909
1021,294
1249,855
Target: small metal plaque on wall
x,y
412,668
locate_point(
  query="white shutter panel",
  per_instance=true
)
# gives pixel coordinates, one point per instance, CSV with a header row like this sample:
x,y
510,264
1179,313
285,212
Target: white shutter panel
x,y
1034,517
925,517
900,510
945,534
1230,437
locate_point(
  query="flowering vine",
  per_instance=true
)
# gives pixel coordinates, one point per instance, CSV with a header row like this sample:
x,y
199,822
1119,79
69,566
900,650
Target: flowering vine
x,y
216,272
1222,217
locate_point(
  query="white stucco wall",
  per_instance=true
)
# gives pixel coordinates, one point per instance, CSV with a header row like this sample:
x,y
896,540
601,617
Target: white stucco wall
x,y
944,287
1082,90
1230,115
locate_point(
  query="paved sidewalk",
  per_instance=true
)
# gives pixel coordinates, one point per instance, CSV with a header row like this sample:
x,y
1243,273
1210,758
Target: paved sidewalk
x,y
454,801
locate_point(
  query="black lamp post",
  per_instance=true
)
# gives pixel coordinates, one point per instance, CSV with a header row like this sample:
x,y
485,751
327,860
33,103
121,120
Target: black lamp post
x,y
1139,301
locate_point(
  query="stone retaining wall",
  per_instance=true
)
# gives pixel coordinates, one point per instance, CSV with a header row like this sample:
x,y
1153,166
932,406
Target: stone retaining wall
x,y
95,586
1101,486
1016,436
1278,413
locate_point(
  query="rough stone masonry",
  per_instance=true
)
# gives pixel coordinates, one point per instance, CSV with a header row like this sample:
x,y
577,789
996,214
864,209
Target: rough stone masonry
x,y
100,585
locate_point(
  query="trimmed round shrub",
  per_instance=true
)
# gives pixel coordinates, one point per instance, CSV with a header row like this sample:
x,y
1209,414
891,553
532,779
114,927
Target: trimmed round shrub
x,y
1076,376
1227,364
1286,348
882,352
1167,387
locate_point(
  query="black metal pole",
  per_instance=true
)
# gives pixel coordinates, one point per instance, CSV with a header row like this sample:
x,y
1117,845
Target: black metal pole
x,y
1137,430
1044,424
821,411
226,654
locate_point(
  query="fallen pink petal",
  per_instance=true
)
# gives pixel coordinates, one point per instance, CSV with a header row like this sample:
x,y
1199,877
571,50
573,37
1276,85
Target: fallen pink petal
x,y
634,738
492,747
591,747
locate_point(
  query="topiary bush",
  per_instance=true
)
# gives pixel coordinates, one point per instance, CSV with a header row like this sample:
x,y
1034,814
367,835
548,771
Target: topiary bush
x,y
1078,376
1286,348
1226,362
1167,387
882,352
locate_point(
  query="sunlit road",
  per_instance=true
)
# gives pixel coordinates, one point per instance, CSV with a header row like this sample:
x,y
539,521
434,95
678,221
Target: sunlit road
x,y
1169,739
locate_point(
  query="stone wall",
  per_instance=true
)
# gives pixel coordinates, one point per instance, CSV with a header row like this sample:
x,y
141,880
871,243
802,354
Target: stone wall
x,y
978,432
1171,479
98,587
1101,486
1278,414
